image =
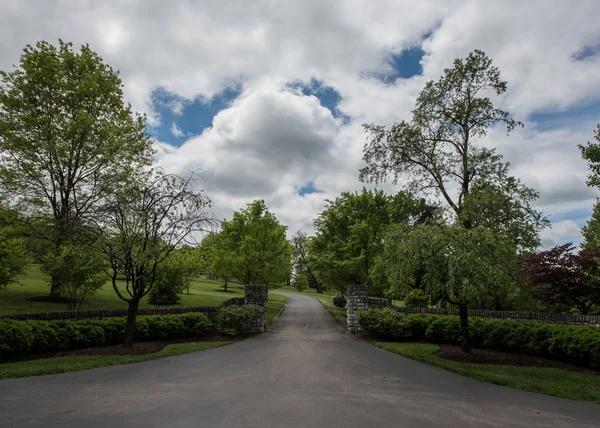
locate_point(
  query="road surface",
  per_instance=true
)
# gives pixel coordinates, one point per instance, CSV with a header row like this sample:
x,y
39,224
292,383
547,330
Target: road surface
x,y
304,372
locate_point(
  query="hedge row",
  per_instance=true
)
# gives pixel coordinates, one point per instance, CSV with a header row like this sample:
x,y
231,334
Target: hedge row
x,y
31,337
572,344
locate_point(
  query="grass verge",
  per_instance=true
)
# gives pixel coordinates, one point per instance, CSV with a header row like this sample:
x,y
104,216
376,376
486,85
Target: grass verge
x,y
46,366
274,305
549,381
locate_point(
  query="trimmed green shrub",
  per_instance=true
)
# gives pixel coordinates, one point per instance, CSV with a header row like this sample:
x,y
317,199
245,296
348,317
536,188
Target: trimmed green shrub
x,y
31,337
385,324
416,298
578,345
339,301
236,320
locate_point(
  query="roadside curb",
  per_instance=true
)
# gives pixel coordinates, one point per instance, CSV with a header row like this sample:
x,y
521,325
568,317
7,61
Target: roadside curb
x,y
280,312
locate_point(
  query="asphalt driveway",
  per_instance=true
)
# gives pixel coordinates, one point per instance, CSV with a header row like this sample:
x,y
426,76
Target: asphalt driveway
x,y
304,372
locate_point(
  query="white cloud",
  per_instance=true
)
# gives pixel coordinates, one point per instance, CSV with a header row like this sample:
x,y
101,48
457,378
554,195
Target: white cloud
x,y
176,131
560,233
270,142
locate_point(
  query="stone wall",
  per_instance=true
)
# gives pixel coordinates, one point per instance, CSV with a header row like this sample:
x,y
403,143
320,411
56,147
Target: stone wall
x,y
358,300
257,295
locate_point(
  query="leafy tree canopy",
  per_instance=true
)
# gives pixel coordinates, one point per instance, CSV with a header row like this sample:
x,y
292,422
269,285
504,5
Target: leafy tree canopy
x,y
438,151
560,275
350,233
255,246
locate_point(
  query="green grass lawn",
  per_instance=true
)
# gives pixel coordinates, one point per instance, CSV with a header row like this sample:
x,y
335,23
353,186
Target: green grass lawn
x,y
338,314
46,366
557,382
35,283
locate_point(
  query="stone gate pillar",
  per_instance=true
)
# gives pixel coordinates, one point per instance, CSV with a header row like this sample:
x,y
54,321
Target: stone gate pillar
x,y
257,295
358,300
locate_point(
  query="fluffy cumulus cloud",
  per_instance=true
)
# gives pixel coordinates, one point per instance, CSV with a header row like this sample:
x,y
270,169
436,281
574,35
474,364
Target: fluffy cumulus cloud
x,y
272,139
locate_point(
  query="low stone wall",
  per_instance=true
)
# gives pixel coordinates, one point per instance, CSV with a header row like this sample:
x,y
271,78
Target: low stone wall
x,y
592,320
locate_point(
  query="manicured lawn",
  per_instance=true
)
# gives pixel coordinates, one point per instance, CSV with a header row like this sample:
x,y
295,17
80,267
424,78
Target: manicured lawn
x,y
35,283
46,366
338,314
557,382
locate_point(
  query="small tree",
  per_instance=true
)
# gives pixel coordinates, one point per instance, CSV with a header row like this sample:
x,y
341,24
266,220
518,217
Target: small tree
x,y
79,272
462,264
66,139
300,282
143,224
169,283
256,247
560,275
591,231
13,257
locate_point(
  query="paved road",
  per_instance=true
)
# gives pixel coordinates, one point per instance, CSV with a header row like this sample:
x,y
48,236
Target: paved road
x,y
304,372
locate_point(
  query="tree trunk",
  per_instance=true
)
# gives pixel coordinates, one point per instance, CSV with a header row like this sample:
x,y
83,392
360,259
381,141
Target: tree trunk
x,y
464,327
225,286
130,325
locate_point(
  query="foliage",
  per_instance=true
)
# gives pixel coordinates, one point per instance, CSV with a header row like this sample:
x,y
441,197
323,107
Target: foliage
x,y
578,345
386,324
189,263
169,283
66,138
350,232
339,301
437,150
591,231
464,265
78,271
258,251
31,337
217,258
300,282
143,224
561,276
591,153
416,298
237,320
13,257
304,260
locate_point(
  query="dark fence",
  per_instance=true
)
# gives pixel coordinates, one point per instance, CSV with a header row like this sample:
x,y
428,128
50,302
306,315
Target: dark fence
x,y
513,315
210,311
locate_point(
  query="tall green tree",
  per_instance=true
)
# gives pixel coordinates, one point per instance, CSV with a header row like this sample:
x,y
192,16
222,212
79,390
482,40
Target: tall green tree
x,y
438,149
464,265
256,241
591,231
350,232
591,153
304,261
219,260
66,137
